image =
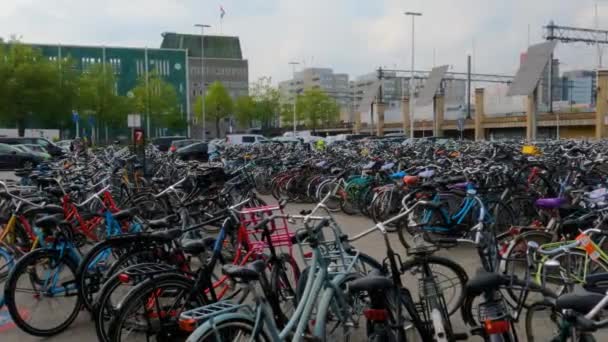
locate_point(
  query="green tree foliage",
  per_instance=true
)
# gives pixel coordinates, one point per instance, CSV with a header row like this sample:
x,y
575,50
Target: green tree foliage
x,y
218,105
30,86
158,98
97,97
267,100
315,107
245,110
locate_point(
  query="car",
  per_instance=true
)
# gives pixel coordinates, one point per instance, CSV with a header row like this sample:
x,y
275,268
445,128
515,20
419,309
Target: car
x,y
197,151
51,148
288,140
35,149
164,143
177,144
244,139
64,145
12,157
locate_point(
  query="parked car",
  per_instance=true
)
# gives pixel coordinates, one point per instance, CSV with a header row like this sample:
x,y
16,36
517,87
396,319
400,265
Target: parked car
x,y
64,145
12,158
244,139
197,151
177,144
35,149
163,143
51,148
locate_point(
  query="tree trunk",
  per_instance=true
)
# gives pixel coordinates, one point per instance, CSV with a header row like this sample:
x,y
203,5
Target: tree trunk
x,y
21,127
217,127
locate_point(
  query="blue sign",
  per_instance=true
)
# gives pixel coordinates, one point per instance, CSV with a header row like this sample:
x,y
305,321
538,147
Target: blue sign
x,y
75,116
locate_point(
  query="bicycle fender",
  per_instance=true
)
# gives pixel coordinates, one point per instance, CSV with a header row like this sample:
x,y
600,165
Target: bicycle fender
x,y
211,323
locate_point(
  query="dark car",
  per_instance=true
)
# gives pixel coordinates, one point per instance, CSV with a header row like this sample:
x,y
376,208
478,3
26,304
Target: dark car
x,y
163,143
197,151
13,158
177,144
51,148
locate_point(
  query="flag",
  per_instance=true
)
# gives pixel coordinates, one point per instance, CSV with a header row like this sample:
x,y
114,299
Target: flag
x,y
222,12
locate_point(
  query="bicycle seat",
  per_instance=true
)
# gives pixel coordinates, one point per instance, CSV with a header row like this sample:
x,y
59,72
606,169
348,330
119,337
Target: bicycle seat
x,y
483,281
581,300
370,283
245,273
48,222
597,283
125,214
162,222
194,246
167,235
49,209
550,203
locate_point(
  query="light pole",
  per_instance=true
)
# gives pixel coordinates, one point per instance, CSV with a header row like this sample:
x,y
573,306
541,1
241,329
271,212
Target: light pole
x,y
203,26
295,95
411,83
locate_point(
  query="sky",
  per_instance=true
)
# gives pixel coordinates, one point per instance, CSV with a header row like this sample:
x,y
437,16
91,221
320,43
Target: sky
x,y
350,36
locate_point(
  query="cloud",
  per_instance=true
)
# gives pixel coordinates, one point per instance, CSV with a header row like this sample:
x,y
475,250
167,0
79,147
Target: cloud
x,y
352,36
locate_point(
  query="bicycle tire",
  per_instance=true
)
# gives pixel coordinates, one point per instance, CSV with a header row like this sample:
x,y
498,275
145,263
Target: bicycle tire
x,y
459,272
22,266
84,288
142,291
282,285
537,325
208,333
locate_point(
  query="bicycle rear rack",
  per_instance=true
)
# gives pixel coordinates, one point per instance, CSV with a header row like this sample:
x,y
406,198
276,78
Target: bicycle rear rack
x,y
147,270
200,315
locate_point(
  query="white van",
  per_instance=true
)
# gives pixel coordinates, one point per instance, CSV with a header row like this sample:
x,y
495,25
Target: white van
x,y
244,139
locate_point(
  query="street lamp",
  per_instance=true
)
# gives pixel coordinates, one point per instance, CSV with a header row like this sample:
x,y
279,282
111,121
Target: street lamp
x,y
295,95
203,26
413,15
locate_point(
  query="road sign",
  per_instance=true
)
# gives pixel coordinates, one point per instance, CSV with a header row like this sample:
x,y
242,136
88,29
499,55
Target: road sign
x,y
138,136
460,124
75,116
134,120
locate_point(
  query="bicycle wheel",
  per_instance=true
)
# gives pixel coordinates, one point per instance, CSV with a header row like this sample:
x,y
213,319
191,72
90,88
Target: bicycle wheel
x,y
450,277
152,308
236,329
542,322
284,281
576,263
337,311
334,200
93,268
515,263
7,262
41,294
105,307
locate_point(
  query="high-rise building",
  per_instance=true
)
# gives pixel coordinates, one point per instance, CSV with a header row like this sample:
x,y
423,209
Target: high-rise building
x,y
335,85
223,62
578,86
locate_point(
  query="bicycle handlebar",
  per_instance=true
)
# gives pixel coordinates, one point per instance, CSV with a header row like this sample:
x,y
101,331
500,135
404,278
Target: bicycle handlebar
x,y
563,248
96,195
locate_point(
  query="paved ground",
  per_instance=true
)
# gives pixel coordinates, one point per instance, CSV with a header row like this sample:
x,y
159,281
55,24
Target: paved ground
x,y
83,329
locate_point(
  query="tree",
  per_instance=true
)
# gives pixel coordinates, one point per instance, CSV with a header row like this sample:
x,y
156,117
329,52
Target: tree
x,y
97,98
268,107
245,110
317,107
28,85
218,105
158,99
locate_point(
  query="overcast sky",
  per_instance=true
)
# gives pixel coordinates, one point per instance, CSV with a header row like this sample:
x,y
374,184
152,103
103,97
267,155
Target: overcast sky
x,y
351,36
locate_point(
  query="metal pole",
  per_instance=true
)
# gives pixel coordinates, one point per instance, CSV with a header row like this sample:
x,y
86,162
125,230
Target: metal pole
x,y
295,96
468,86
412,89
188,105
550,84
147,90
202,26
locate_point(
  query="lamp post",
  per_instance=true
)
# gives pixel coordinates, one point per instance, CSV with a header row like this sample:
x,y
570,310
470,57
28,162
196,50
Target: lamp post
x,y
295,96
203,26
412,89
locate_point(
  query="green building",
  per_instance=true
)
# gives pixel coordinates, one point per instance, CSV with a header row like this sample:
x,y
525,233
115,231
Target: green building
x,y
129,64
